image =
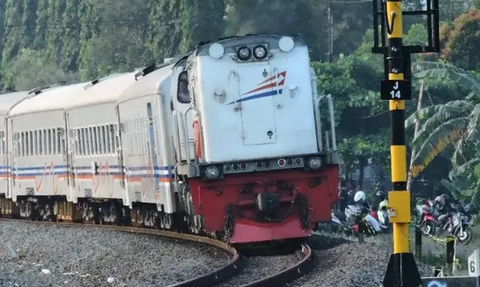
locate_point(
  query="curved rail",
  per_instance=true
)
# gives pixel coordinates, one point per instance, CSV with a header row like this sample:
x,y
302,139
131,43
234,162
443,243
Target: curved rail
x,y
234,266
294,272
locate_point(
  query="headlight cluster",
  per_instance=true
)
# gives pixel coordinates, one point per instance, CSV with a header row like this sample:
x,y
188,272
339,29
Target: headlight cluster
x,y
245,53
255,52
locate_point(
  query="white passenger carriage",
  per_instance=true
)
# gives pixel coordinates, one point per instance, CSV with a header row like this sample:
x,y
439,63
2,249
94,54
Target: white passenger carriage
x,y
146,128
39,160
7,101
94,139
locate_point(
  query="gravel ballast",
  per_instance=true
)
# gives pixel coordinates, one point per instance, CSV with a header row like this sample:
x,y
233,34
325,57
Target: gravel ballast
x,y
46,255
347,263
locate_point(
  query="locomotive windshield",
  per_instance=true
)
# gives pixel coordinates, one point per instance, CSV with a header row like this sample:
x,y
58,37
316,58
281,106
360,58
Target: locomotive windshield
x,y
183,95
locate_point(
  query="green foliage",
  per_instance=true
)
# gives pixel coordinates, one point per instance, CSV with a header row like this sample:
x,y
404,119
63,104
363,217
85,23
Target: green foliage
x,y
463,42
32,70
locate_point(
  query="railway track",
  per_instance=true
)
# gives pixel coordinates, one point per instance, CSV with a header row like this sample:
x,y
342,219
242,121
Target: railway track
x,y
227,272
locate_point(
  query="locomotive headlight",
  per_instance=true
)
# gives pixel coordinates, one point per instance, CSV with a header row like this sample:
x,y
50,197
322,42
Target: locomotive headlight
x,y
216,50
244,53
260,52
212,172
286,44
315,163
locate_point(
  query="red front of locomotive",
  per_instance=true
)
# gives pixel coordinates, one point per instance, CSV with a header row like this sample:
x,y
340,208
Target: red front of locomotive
x,y
276,204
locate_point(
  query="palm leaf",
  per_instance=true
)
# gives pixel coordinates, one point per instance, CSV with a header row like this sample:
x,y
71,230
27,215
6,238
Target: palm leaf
x,y
445,134
473,128
453,107
467,167
477,171
445,112
441,70
476,194
458,157
453,190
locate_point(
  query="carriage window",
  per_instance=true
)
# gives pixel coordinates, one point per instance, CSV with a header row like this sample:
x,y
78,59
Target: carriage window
x,y
95,140
23,143
35,143
84,142
108,142
183,95
102,139
49,142
117,139
112,138
77,141
60,141
40,142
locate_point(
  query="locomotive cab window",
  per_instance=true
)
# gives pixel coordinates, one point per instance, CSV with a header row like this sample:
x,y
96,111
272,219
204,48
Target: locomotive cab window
x,y
183,95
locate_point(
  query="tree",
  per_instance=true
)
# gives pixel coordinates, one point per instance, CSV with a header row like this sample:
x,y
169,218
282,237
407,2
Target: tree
x,y
119,45
32,70
12,38
164,30
202,20
453,127
303,17
462,41
71,36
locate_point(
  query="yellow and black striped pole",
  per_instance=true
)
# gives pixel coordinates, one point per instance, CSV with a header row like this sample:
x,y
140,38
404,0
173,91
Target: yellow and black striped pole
x,y
402,270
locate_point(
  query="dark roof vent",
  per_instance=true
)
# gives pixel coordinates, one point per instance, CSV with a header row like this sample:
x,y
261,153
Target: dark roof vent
x,y
145,71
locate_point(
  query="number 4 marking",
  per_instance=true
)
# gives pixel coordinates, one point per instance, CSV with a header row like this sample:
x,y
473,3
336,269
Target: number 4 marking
x,y
395,94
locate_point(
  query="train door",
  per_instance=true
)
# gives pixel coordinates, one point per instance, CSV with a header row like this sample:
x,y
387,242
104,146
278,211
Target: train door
x,y
14,163
4,154
119,149
258,105
152,147
70,154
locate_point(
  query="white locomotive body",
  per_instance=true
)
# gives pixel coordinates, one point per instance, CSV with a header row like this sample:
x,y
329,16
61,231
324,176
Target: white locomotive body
x,y
253,108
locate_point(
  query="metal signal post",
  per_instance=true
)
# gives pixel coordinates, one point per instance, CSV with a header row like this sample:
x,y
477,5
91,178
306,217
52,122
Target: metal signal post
x,y
402,270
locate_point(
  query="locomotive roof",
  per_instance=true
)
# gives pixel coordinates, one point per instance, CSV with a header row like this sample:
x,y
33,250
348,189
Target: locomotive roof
x,y
105,90
49,99
9,99
146,85
233,41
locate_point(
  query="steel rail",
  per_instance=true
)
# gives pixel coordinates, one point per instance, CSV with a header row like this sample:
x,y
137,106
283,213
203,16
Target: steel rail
x,y
233,267
294,272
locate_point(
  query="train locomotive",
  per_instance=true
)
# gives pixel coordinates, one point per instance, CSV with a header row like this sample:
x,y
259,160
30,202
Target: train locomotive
x,y
226,140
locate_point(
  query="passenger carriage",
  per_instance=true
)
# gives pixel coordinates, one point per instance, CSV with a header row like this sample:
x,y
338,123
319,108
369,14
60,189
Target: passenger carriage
x,y
94,148
146,128
7,101
39,160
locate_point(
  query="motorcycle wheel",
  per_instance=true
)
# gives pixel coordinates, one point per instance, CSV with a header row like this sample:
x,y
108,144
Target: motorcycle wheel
x,y
465,237
428,228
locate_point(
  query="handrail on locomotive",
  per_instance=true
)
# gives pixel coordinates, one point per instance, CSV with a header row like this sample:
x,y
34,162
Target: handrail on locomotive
x,y
332,122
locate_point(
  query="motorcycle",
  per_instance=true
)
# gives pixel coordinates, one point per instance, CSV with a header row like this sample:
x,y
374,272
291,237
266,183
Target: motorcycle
x,y
358,220
384,221
461,227
427,219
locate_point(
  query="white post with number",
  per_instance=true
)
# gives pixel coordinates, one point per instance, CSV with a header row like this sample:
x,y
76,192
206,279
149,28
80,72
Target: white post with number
x,y
473,263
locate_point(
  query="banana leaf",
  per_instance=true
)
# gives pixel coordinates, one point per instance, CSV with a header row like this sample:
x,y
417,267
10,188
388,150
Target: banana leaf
x,y
440,70
447,133
453,190
467,167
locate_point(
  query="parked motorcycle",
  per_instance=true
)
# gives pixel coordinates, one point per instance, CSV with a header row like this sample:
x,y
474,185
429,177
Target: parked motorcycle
x,y
427,218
